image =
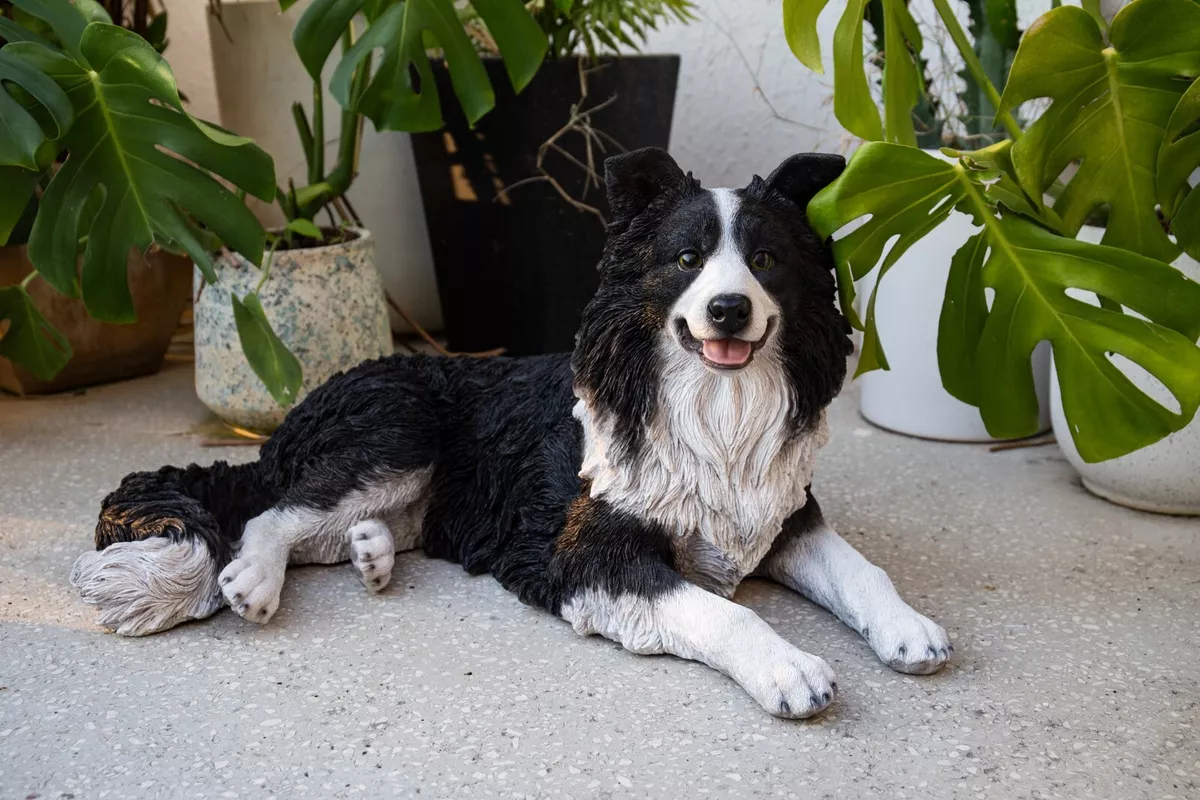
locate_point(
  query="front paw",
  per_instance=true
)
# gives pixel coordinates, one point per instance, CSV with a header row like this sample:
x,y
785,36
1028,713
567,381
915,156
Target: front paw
x,y
908,642
788,682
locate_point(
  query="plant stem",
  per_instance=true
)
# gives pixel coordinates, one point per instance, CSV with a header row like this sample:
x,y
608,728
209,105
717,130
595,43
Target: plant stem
x,y
266,268
316,163
29,279
974,66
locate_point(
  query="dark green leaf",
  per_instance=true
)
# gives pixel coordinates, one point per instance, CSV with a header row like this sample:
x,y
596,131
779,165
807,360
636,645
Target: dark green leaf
x,y
19,185
130,190
521,41
10,31
319,29
270,359
1002,22
156,32
20,133
67,20
964,313
30,340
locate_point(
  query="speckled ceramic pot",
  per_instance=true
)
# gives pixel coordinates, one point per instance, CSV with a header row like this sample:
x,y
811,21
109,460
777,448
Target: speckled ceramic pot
x,y
325,303
1164,477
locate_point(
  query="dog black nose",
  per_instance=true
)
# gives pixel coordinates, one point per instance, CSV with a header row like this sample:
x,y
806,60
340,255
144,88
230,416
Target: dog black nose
x,y
729,313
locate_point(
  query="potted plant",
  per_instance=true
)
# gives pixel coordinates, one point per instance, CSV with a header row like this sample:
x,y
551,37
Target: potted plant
x,y
159,280
525,179
944,109
328,305
99,158
1119,131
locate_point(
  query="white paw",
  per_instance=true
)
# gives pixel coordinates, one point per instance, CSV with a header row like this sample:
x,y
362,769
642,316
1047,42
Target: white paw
x,y
909,642
372,553
251,587
788,682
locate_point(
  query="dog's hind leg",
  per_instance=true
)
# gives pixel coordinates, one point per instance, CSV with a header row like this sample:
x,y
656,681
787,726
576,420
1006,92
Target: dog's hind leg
x,y
367,527
812,559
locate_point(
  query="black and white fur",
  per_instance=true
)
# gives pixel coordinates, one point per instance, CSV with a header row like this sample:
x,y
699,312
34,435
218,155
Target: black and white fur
x,y
628,488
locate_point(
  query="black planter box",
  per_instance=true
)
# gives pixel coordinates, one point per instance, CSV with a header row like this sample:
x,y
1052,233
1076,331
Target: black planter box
x,y
516,272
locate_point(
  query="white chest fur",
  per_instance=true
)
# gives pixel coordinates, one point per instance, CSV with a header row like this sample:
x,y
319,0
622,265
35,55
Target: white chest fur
x,y
720,470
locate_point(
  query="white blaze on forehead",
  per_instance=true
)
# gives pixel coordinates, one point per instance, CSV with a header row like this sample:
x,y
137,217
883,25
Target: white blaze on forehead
x,y
725,272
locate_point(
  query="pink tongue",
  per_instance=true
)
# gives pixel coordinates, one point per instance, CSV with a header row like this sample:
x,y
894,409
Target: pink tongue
x,y
727,352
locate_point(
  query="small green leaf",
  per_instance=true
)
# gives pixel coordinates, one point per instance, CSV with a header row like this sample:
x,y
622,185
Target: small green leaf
x,y
30,339
305,227
800,29
520,39
964,313
902,84
852,103
267,355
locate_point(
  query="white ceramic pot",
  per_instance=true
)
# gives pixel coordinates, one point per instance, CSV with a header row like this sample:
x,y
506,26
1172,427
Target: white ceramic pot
x,y
325,303
1164,477
909,398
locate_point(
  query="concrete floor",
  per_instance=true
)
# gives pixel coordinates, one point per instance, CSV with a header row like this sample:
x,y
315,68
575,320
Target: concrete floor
x,y
1076,623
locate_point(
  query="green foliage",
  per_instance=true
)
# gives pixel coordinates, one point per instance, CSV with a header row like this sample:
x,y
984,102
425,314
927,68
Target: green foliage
x,y
912,111
1178,158
1125,111
1111,106
135,170
270,359
987,362
384,91
30,340
604,26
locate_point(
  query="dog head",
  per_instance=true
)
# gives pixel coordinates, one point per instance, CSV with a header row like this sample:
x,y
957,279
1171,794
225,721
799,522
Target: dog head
x,y
734,280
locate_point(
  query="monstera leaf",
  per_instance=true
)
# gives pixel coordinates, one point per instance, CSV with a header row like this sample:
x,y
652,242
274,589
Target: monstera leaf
x,y
27,338
1177,160
21,134
402,30
137,166
1110,108
906,193
852,103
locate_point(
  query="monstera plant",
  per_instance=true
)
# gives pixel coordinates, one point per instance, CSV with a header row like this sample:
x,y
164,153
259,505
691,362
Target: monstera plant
x,y
1121,133
93,122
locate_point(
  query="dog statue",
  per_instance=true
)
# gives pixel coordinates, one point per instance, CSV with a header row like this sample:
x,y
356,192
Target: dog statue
x,y
627,488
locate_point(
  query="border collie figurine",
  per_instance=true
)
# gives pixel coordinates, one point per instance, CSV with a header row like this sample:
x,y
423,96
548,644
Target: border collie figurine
x,y
628,488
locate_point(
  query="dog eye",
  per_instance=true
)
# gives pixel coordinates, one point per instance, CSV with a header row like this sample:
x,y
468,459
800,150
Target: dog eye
x,y
689,259
762,260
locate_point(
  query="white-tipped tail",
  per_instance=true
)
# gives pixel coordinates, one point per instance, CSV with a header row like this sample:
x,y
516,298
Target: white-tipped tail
x,y
150,585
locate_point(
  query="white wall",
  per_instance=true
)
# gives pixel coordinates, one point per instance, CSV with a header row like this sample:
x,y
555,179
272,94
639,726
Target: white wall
x,y
735,66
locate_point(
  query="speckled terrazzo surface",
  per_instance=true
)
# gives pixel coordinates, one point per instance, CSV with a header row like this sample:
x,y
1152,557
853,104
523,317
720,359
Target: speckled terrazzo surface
x,y
1076,623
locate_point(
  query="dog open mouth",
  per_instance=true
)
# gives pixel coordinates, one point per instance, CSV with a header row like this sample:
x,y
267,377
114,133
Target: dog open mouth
x,y
729,353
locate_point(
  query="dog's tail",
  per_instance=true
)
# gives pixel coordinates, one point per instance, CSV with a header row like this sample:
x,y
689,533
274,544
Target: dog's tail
x,y
162,539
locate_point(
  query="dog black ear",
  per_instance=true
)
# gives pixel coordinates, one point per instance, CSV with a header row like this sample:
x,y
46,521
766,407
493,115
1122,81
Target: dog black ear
x,y
800,177
634,179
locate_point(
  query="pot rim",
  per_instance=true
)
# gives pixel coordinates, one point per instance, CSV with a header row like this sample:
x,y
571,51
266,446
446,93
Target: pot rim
x,y
364,236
